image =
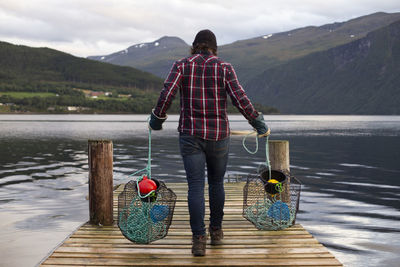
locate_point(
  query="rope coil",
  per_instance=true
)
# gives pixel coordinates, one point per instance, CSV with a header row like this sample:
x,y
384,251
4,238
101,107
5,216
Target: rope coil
x,y
144,218
267,162
263,203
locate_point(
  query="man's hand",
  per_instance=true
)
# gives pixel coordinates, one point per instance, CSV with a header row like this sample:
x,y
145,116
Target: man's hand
x,y
260,126
266,134
155,122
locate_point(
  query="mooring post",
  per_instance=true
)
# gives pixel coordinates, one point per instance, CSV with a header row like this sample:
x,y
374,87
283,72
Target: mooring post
x,y
279,155
100,181
279,158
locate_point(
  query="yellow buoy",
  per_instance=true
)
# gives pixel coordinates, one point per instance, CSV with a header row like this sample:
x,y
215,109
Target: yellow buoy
x,y
273,181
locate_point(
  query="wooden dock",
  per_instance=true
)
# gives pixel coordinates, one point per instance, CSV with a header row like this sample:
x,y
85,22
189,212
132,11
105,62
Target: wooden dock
x,y
243,244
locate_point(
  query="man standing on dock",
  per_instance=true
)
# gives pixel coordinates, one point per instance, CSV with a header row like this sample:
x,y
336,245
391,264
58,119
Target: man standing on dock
x,y
204,82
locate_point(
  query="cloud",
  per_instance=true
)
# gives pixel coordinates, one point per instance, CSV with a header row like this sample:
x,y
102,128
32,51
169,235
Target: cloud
x,y
89,27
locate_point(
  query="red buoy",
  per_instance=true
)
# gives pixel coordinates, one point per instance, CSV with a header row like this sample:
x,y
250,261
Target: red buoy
x,y
146,185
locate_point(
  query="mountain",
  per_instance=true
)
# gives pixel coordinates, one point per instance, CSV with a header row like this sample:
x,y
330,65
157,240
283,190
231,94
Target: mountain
x,y
253,56
155,57
22,63
360,77
340,68
46,80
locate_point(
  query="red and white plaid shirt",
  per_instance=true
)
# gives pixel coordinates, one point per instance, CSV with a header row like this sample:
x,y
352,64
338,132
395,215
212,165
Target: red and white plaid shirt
x,y
204,81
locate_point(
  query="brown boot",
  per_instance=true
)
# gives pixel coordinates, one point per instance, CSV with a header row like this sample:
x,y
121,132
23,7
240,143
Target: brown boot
x,y
199,245
216,235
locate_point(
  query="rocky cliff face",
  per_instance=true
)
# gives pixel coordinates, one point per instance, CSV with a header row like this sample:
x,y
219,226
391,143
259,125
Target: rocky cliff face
x,y
155,57
361,77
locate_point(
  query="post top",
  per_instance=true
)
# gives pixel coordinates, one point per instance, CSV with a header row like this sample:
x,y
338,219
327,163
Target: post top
x,y
278,141
99,141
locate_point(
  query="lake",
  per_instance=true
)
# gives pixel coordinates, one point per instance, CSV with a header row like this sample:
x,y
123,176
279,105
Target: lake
x,y
349,167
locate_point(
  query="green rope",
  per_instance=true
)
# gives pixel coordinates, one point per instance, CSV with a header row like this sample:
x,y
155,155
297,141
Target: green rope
x,y
267,162
149,156
138,224
270,214
147,170
244,143
144,220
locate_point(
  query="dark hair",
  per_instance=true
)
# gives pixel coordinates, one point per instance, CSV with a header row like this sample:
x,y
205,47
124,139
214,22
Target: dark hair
x,y
199,47
205,40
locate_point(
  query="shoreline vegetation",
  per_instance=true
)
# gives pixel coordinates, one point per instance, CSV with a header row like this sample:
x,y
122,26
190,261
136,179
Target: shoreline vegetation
x,y
43,80
86,101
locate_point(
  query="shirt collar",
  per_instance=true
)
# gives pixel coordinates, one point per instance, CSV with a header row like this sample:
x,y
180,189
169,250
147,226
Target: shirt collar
x,y
205,52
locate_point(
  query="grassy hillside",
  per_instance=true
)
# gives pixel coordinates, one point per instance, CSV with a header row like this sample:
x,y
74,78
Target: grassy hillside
x,y
19,63
361,77
46,80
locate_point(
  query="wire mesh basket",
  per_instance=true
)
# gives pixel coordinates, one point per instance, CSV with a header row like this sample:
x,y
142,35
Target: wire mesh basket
x,y
143,220
271,200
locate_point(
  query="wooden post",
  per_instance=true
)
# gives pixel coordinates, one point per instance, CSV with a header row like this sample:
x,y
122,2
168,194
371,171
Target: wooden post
x,y
279,155
100,182
279,158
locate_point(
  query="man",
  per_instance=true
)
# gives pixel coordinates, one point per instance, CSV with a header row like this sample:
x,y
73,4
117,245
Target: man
x,y
204,81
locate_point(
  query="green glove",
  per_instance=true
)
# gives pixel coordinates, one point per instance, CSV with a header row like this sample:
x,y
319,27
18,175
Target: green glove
x,y
260,126
155,122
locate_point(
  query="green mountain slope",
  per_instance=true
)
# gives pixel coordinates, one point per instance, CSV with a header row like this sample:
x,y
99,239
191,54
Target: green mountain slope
x,y
361,77
46,80
253,56
155,57
22,63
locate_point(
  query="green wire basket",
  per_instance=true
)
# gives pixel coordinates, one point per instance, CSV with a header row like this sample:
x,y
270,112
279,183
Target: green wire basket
x,y
271,205
144,219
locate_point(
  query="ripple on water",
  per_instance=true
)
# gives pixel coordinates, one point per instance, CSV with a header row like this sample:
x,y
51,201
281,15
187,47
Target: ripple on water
x,y
377,185
355,165
325,173
15,179
19,164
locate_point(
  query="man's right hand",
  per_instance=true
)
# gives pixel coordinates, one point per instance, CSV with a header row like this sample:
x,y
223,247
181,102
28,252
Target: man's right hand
x,y
155,122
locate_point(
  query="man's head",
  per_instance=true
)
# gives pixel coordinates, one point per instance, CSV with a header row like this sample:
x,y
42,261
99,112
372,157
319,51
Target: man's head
x,y
204,41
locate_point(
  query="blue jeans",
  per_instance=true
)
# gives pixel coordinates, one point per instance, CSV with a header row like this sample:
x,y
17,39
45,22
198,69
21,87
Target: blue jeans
x,y
196,153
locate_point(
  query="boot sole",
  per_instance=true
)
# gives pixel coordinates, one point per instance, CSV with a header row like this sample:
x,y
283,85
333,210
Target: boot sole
x,y
198,253
216,243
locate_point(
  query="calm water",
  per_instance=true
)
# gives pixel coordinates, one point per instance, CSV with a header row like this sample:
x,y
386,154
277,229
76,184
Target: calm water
x,y
349,167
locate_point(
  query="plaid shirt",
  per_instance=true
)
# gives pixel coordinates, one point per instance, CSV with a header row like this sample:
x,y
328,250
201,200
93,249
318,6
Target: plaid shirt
x,y
204,81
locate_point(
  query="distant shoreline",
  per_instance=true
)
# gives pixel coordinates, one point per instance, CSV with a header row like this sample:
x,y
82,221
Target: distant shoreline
x,y
172,113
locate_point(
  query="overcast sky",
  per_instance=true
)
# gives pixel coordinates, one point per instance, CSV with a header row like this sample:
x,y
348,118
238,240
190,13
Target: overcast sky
x,y
98,27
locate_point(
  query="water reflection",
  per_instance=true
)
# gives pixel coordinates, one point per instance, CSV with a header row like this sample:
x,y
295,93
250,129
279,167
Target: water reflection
x,y
348,167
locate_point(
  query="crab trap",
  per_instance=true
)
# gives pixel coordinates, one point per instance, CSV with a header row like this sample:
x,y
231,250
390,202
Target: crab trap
x,y
145,207
271,200
144,219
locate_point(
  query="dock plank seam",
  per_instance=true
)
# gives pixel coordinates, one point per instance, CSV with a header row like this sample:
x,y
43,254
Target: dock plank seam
x,y
243,245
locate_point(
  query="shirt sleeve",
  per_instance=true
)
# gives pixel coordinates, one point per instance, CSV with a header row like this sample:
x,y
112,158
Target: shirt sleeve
x,y
171,85
238,95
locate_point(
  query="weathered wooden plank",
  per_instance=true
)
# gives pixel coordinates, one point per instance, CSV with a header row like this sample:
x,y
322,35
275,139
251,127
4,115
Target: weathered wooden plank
x,y
243,244
235,233
217,250
171,240
188,245
243,224
185,254
193,261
